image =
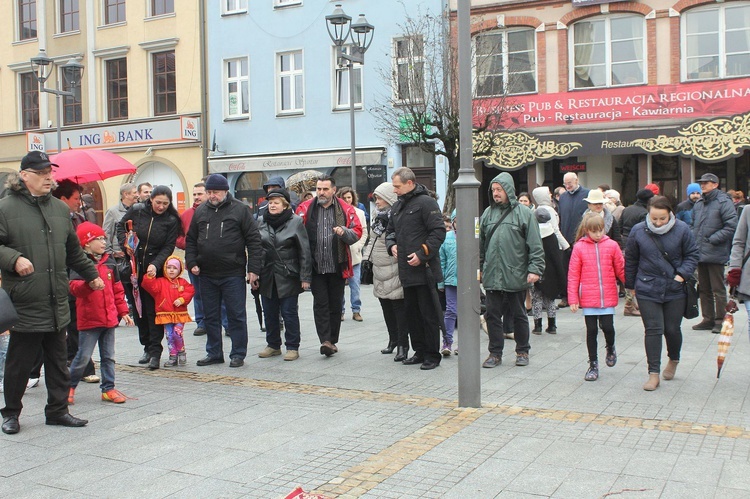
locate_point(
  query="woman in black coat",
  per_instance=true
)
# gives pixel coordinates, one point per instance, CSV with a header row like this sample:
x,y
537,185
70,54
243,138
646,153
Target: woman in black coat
x,y
157,225
286,272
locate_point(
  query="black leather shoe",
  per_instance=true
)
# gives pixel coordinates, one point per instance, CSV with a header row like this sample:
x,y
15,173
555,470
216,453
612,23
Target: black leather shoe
x,y
389,349
401,354
10,425
236,362
67,420
153,363
207,361
414,359
144,358
428,365
199,331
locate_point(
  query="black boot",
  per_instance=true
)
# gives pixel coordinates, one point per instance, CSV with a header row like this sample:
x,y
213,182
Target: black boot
x,y
389,349
401,354
551,327
537,326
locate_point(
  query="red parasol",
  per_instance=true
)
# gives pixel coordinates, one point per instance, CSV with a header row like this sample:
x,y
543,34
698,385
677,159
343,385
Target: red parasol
x,y
89,165
727,330
132,244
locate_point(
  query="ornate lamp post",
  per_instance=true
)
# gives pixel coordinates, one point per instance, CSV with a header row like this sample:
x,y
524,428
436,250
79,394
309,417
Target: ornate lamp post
x,y
359,37
41,67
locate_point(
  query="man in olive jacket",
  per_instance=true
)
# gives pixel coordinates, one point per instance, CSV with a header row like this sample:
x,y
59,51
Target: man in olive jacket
x,y
37,245
511,257
414,235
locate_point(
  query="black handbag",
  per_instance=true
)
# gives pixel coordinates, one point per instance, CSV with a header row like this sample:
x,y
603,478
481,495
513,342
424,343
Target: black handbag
x,y
691,292
366,275
8,314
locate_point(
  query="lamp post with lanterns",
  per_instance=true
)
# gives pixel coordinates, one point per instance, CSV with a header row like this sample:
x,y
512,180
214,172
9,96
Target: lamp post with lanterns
x,y
72,73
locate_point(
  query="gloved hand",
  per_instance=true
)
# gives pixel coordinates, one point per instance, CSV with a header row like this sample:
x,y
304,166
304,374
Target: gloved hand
x,y
734,276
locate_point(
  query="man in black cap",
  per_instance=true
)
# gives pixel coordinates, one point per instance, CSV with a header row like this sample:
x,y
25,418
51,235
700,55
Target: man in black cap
x,y
223,247
714,222
37,245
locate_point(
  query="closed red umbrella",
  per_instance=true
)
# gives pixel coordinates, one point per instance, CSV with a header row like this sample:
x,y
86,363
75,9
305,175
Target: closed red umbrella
x,y
89,165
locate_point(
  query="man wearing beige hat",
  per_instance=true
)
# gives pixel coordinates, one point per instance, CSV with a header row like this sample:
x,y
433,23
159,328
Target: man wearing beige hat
x,y
714,222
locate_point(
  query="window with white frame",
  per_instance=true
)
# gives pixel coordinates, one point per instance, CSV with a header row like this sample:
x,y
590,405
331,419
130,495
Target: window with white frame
x,y
408,77
716,41
608,52
69,15
284,3
26,19
290,83
234,6
237,88
342,83
161,7
505,62
114,11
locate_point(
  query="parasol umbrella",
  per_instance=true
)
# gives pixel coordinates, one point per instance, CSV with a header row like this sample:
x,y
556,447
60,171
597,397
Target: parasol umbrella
x,y
89,165
132,243
727,330
433,291
304,181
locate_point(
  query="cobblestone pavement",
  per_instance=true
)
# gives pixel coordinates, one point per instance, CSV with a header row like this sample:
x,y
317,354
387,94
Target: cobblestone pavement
x,y
359,425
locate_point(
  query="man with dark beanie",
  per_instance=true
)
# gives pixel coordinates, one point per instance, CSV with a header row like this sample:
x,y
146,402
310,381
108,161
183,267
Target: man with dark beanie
x,y
223,248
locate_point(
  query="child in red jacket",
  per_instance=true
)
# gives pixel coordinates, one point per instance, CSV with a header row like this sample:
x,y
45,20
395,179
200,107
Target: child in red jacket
x,y
171,295
595,266
99,312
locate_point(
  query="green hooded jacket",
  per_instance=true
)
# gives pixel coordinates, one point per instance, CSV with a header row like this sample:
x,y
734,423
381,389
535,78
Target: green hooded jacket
x,y
515,250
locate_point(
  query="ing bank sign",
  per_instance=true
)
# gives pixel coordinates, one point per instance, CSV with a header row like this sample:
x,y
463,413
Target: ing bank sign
x,y
147,133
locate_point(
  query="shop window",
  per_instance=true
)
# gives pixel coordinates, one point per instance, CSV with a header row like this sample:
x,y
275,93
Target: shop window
x,y
716,42
505,62
608,52
422,163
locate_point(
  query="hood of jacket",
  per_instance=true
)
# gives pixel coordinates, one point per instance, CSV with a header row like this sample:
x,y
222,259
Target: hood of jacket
x,y
275,180
542,196
171,257
506,182
385,192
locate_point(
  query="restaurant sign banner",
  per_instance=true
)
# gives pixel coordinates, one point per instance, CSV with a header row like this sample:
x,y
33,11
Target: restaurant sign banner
x,y
682,102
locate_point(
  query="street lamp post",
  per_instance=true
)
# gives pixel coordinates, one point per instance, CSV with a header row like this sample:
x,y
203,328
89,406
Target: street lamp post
x,y
341,30
41,68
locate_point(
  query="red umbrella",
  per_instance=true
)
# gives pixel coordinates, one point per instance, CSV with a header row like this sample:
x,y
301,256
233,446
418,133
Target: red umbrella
x,y
89,165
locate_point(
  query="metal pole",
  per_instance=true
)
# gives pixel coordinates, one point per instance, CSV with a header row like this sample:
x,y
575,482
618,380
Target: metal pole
x,y
59,120
467,239
351,125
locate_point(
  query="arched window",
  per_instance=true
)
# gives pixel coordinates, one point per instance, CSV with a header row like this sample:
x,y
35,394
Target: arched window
x,y
716,41
505,62
608,51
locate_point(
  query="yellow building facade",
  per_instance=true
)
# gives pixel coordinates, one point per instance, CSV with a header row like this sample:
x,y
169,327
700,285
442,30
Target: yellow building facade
x,y
140,93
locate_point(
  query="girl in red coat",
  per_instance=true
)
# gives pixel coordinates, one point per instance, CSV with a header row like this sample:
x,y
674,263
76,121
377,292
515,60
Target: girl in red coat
x,y
171,295
595,266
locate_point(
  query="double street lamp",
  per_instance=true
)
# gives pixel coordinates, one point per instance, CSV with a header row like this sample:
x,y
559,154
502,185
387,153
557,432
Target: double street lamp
x,y
72,73
358,36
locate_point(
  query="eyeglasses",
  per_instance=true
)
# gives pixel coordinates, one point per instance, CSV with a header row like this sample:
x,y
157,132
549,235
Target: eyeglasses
x,y
100,238
41,173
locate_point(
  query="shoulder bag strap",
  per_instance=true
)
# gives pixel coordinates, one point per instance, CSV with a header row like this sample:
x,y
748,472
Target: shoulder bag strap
x,y
664,254
494,228
272,236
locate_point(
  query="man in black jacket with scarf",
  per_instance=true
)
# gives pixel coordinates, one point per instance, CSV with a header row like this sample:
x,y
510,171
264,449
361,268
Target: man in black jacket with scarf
x,y
414,235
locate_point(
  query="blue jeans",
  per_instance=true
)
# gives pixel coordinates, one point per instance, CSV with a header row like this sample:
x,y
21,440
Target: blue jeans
x,y
353,292
290,312
232,293
197,300
87,340
451,302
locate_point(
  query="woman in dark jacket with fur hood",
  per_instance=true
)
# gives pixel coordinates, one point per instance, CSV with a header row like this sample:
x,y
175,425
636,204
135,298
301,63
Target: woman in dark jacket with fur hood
x,y
157,225
660,256
286,272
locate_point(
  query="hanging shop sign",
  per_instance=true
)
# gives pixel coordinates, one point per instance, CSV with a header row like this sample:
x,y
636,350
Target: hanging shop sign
x,y
684,102
577,167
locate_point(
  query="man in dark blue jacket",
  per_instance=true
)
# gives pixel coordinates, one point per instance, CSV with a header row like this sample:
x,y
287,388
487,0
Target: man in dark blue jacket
x,y
571,208
714,222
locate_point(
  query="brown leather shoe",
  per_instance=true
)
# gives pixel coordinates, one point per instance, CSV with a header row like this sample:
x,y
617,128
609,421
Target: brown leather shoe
x,y
327,349
704,326
357,317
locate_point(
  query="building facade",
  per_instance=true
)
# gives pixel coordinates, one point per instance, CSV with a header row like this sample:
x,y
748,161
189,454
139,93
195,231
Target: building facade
x,y
623,92
279,102
140,95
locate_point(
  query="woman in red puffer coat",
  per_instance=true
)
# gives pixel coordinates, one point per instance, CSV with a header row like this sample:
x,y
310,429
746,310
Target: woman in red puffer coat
x,y
595,266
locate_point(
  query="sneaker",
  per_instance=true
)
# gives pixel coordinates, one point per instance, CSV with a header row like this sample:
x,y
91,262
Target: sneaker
x,y
91,378
342,318
72,396
593,372
611,358
492,361
181,358
357,317
522,359
171,362
291,355
114,396
269,352
446,350
32,383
